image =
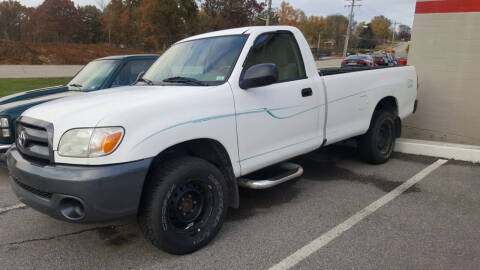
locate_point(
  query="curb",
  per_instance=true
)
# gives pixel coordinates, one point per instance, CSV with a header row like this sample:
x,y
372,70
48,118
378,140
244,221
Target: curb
x,y
460,152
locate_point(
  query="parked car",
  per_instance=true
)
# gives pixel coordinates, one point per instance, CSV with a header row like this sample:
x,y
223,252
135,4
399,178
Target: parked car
x,y
113,71
358,60
392,60
380,60
385,60
214,112
402,62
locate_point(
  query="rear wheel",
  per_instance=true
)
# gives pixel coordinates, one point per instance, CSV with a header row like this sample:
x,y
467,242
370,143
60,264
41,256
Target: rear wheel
x,y
376,146
183,205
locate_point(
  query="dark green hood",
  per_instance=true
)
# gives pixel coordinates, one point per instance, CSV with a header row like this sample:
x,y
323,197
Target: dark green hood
x,y
13,106
33,94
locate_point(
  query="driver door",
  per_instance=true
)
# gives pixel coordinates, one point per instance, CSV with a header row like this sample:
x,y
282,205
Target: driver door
x,y
280,120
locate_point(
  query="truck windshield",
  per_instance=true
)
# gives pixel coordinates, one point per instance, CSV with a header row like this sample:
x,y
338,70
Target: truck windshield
x,y
207,61
93,75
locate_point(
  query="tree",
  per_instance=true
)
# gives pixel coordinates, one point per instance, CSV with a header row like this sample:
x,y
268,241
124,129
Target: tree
x,y
110,22
381,28
56,21
313,28
130,23
367,38
336,29
165,21
232,13
287,15
261,18
28,25
91,30
12,14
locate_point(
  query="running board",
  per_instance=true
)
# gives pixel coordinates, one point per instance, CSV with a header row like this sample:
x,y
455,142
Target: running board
x,y
271,176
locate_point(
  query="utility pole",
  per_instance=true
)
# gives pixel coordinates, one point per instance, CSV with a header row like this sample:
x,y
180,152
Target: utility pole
x,y
269,9
318,42
394,29
318,45
350,24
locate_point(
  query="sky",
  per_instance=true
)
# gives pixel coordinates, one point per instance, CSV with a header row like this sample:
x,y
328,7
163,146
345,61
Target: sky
x,y
401,11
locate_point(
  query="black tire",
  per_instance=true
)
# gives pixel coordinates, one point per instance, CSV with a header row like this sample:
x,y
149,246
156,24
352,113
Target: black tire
x,y
184,204
376,146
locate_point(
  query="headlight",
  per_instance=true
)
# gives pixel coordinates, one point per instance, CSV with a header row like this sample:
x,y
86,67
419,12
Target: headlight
x,y
4,122
90,142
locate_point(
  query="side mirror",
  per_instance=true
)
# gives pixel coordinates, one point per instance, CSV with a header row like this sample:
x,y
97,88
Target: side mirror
x,y
259,75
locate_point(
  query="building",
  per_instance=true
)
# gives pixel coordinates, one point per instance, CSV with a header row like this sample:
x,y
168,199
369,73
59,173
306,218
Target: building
x,y
445,48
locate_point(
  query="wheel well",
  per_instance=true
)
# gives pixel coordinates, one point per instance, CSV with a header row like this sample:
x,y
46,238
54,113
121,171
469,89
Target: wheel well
x,y
389,104
211,151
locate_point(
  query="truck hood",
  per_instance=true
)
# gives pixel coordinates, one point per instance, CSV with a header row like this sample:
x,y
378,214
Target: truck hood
x,y
111,104
25,100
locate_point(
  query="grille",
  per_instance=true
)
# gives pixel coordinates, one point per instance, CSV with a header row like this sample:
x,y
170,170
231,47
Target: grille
x,y
33,140
43,194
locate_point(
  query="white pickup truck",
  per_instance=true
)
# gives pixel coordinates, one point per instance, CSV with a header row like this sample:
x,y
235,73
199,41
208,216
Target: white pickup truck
x,y
214,112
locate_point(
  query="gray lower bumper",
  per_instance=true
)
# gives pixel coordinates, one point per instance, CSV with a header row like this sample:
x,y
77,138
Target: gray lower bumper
x,y
105,192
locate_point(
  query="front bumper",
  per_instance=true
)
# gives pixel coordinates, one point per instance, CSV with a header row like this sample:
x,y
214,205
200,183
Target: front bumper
x,y
94,193
4,147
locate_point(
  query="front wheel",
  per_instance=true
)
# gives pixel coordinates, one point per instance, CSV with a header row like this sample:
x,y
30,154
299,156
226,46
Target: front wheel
x,y
184,204
376,146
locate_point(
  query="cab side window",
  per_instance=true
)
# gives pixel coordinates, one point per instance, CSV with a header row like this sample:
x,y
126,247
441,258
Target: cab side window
x,y
129,73
280,49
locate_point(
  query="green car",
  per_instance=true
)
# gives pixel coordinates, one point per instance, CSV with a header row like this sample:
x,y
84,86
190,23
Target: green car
x,y
103,73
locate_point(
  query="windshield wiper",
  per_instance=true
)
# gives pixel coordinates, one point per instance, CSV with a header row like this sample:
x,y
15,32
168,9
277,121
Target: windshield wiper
x,y
186,80
147,81
76,85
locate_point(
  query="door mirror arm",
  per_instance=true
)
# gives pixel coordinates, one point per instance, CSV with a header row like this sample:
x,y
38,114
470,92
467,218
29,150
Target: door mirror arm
x,y
140,75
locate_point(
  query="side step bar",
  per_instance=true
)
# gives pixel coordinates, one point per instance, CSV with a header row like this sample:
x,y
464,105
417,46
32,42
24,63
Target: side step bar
x,y
271,176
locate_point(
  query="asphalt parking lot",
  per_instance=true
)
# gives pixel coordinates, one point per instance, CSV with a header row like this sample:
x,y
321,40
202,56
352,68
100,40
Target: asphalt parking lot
x,y
435,224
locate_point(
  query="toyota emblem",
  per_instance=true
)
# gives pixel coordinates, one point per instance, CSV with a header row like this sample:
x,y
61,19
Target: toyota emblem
x,y
22,138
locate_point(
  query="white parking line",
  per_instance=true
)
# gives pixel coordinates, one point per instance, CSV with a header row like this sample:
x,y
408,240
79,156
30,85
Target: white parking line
x,y
324,239
13,207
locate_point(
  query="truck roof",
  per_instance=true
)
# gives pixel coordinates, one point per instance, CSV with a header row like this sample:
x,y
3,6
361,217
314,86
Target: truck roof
x,y
240,31
122,57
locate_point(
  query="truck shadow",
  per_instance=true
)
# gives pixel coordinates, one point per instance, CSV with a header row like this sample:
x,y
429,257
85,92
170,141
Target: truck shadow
x,y
253,202
324,166
319,166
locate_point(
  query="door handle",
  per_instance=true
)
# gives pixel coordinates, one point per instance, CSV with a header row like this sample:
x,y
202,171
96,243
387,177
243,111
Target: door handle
x,y
307,92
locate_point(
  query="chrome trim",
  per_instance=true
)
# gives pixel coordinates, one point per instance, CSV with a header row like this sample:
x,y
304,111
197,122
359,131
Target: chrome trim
x,y
5,146
268,183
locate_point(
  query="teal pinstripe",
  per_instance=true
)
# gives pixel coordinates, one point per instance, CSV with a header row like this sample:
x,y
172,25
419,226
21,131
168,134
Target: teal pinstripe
x,y
261,110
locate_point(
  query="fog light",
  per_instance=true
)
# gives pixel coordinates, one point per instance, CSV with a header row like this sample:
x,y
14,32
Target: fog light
x,y
5,133
72,209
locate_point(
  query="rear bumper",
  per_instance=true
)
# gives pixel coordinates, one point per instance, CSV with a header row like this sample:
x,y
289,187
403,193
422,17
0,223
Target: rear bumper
x,y
99,193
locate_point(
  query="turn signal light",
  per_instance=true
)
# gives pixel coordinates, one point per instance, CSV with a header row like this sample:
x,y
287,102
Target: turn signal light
x,y
5,133
111,141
